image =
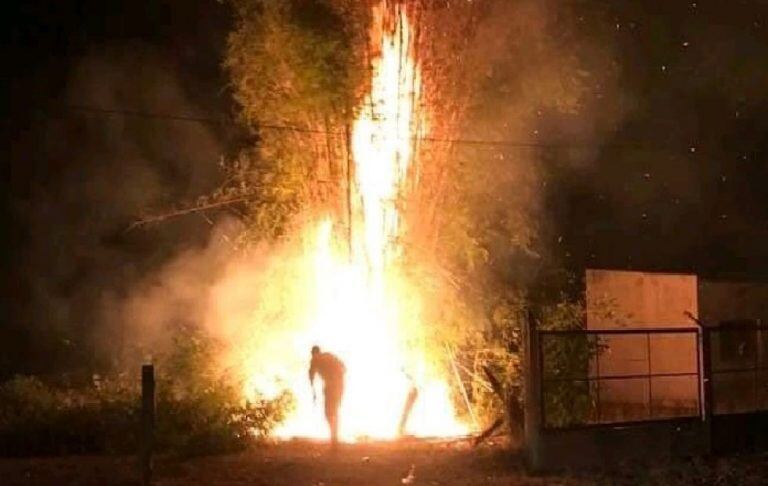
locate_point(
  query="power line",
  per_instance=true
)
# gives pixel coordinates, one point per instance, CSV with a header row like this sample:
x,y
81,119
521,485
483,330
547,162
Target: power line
x,y
146,114
294,128
184,118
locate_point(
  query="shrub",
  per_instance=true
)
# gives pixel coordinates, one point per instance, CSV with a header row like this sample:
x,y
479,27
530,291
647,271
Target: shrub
x,y
36,418
197,411
568,398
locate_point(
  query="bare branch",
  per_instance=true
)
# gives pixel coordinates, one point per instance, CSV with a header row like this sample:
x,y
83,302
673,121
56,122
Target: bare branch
x,y
156,218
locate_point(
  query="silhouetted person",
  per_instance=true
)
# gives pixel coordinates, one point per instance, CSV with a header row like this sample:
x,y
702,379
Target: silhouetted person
x,y
331,370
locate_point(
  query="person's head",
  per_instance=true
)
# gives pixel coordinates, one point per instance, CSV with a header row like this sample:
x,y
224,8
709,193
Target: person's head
x,y
315,350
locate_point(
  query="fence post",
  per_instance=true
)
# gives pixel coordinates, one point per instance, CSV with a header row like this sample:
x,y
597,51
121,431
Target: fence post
x,y
707,398
147,422
532,400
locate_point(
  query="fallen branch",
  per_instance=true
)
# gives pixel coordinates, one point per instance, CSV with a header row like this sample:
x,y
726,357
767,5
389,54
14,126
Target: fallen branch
x,y
495,383
488,432
514,411
499,390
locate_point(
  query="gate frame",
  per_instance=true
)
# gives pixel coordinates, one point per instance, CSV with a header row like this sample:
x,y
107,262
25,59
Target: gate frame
x,y
607,444
737,431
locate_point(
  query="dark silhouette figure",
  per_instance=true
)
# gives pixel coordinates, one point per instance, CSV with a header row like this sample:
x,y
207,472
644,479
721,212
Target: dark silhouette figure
x,y
331,369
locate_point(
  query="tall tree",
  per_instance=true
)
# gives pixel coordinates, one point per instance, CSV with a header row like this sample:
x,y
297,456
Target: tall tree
x,y
297,71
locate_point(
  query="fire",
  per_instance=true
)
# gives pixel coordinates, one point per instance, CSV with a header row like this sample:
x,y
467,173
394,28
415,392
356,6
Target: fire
x,y
382,141
362,308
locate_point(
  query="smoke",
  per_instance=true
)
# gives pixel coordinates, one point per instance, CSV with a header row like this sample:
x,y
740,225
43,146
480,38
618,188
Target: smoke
x,y
682,156
545,88
557,82
91,284
83,178
253,304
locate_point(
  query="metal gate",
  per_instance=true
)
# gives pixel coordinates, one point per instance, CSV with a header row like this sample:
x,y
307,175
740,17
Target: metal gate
x,y
601,397
736,385
597,377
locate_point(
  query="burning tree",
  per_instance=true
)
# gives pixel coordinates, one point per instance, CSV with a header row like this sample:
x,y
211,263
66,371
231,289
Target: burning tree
x,y
389,239
351,168
347,100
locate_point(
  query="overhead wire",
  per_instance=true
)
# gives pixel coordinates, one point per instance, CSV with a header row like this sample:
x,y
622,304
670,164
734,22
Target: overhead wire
x,y
225,120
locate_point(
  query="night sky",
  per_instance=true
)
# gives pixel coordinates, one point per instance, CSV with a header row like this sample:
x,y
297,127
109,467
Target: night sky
x,y
73,181
692,195
679,185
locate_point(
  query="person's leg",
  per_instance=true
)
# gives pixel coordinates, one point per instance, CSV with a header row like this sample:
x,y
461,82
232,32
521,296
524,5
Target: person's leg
x,y
333,421
339,398
332,402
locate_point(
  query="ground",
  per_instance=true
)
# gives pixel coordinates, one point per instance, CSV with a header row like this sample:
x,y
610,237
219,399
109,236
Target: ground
x,y
417,463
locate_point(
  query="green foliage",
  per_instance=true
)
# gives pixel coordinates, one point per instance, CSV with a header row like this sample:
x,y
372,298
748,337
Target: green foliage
x,y
497,351
28,395
281,180
296,63
291,58
198,411
476,341
303,63
566,358
36,418
212,422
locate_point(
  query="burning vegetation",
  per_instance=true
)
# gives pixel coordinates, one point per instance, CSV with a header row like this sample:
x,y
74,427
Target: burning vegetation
x,y
358,298
367,224
403,185
361,215
389,238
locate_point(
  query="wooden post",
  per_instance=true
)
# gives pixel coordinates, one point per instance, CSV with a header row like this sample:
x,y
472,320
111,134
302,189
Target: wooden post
x,y
147,422
706,398
533,400
704,361
488,432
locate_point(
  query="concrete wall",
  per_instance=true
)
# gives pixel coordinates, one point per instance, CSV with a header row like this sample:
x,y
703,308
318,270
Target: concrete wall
x,y
614,447
632,300
617,298
724,301
636,300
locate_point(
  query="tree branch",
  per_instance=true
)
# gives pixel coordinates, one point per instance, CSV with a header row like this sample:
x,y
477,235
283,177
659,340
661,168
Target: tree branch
x,y
156,218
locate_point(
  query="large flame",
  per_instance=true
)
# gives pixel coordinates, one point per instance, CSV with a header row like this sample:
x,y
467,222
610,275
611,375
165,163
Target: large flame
x,y
362,308
383,135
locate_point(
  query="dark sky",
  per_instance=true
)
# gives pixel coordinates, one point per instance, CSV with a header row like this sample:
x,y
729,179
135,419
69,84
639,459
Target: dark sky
x,y
681,184
73,181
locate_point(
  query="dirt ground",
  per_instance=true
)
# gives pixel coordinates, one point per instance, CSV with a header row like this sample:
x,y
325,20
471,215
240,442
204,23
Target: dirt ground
x,y
288,463
417,463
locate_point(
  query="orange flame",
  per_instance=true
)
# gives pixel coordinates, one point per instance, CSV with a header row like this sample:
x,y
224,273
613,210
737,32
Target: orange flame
x,y
362,309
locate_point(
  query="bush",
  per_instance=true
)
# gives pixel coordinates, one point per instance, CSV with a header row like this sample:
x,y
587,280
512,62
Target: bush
x,y
215,421
200,408
36,418
197,410
568,399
